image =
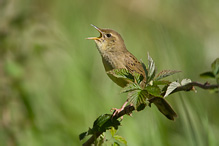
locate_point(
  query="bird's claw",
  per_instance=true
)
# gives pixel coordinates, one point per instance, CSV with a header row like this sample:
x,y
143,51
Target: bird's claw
x,y
116,112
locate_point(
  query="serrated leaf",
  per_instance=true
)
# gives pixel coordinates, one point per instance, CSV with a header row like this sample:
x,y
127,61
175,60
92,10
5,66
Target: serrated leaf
x,y
154,90
101,124
152,76
171,87
185,81
138,77
104,122
120,139
145,69
121,73
165,73
151,66
130,87
100,121
137,97
208,74
215,67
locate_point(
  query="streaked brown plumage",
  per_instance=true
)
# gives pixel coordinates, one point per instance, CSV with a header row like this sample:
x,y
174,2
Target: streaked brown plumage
x,y
115,55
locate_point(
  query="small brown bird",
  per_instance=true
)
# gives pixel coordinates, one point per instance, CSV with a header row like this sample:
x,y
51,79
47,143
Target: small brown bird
x,y
115,56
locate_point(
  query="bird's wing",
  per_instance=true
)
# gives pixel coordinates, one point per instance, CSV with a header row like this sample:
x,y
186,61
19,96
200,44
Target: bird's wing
x,y
133,65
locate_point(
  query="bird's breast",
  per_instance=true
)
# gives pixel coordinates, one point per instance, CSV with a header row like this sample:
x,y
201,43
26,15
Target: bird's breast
x,y
115,62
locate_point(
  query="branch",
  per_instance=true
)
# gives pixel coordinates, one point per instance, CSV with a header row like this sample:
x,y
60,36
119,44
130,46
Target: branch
x,y
127,110
190,86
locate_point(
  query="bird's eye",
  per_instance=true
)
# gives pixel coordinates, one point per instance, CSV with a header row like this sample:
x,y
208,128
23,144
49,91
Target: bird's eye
x,y
108,35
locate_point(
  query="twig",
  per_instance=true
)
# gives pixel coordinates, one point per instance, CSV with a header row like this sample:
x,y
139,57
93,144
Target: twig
x,y
190,86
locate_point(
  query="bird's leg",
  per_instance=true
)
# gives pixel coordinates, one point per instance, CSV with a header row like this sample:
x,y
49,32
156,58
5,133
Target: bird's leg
x,y
116,111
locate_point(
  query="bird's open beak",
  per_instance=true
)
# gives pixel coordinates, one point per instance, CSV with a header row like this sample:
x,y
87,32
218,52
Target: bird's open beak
x,y
99,30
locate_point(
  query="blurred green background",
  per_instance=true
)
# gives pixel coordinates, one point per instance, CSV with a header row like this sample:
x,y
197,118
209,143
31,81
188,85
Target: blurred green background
x,y
52,81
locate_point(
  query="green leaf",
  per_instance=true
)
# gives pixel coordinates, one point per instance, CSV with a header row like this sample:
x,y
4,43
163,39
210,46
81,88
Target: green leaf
x,y
101,124
161,82
113,131
215,67
138,97
145,69
116,144
171,87
208,74
151,67
154,90
100,121
104,122
120,139
121,73
138,77
82,135
130,87
165,73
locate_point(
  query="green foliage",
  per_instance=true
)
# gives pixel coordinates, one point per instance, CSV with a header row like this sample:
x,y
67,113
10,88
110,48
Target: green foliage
x,y
124,73
101,124
215,67
208,74
151,69
117,139
121,73
214,73
137,77
130,87
161,82
145,69
137,96
165,73
154,90
140,97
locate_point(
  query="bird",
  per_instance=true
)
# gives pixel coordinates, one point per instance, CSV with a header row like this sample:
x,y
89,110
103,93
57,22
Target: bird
x,y
115,55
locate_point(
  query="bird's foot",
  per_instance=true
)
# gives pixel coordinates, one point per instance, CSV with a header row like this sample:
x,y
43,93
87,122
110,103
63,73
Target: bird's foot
x,y
117,111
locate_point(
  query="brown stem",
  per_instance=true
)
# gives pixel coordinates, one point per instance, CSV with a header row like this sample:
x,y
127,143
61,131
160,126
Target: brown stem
x,y
190,86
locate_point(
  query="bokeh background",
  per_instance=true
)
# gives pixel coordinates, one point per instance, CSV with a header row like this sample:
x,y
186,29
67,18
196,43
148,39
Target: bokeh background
x,y
52,81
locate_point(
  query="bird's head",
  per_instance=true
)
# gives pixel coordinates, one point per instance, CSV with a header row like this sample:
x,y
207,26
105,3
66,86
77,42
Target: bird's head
x,y
109,40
